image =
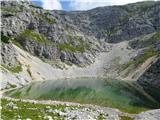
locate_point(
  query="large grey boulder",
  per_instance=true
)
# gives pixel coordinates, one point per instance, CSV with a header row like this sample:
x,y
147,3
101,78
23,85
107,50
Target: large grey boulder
x,y
149,115
8,55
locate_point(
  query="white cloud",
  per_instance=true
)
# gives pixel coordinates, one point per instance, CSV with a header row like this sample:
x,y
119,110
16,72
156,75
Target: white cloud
x,y
86,4
89,4
51,4
83,4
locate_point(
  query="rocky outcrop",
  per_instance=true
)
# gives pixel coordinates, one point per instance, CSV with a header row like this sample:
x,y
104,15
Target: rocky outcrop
x,y
68,30
117,23
46,35
149,115
150,80
8,55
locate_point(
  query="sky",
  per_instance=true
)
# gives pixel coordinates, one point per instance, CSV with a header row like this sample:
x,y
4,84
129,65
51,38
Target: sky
x,y
71,5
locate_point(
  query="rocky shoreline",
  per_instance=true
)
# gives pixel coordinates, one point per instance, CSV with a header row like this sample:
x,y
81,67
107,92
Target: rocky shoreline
x,y
85,111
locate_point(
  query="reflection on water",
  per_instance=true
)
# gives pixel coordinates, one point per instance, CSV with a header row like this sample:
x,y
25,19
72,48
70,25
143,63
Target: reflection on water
x,y
106,92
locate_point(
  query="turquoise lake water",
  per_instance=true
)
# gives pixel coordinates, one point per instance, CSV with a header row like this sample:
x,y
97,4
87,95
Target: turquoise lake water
x,y
126,96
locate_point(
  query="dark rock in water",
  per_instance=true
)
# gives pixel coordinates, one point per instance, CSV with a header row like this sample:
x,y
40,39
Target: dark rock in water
x,y
150,80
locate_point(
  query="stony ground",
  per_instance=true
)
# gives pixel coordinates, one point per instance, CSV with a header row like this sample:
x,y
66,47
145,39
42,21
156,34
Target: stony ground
x,y
54,110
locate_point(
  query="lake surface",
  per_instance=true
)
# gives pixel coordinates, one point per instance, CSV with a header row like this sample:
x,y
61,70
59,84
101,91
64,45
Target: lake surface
x,y
126,96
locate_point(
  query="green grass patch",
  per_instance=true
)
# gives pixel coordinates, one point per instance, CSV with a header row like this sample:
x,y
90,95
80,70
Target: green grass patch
x,y
110,31
49,20
12,86
29,72
150,41
71,48
46,19
29,110
81,44
15,69
15,42
33,36
156,36
35,6
125,118
9,10
146,40
67,47
67,27
142,58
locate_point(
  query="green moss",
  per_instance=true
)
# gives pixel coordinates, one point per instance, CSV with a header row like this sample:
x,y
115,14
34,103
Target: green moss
x,y
156,36
146,40
29,72
67,27
33,36
142,58
3,68
125,118
100,117
4,38
28,110
81,45
12,86
125,18
15,42
46,19
9,10
145,56
16,69
35,6
67,47
110,31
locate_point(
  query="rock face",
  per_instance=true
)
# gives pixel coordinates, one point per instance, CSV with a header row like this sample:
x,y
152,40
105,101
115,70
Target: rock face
x,y
76,34
46,34
150,80
117,23
9,55
149,115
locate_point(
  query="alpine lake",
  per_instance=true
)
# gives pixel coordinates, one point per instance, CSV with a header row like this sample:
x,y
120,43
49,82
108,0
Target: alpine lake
x,y
125,96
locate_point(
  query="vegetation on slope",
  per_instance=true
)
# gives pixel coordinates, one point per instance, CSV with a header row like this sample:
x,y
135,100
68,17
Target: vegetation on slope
x,y
4,38
15,69
24,110
80,46
45,18
140,59
125,118
156,36
33,36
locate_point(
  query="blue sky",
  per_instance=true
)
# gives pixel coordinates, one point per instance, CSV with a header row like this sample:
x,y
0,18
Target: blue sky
x,y
70,5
